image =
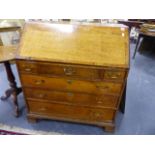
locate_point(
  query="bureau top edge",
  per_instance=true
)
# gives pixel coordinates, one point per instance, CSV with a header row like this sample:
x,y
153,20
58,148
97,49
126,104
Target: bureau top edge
x,y
95,66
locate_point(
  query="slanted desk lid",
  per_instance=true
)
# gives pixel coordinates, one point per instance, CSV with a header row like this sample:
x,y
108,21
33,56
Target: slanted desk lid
x,y
89,44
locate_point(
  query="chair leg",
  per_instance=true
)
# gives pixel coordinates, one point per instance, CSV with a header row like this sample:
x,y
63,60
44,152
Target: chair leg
x,y
136,46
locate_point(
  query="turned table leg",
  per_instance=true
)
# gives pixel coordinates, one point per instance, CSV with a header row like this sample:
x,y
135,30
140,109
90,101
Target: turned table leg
x,y
14,91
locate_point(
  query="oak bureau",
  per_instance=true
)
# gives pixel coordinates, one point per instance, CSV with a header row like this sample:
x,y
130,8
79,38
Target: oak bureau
x,y
74,72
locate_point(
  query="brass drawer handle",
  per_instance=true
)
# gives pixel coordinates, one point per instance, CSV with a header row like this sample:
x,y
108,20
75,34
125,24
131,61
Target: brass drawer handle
x,y
99,100
41,95
69,71
113,75
97,114
38,82
28,69
42,109
69,81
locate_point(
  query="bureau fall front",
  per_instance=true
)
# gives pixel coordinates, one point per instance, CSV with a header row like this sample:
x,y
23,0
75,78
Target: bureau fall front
x,y
74,72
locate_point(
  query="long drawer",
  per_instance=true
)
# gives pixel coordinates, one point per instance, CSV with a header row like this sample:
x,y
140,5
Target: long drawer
x,y
67,70
71,98
67,111
63,84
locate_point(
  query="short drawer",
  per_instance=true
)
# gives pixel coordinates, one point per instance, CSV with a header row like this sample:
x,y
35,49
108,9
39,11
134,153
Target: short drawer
x,y
72,98
113,75
70,112
63,84
67,70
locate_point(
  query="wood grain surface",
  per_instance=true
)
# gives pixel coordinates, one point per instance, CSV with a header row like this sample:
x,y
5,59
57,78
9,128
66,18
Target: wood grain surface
x,y
91,44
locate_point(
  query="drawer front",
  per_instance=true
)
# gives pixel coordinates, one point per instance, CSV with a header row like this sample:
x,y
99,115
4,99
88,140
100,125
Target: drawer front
x,y
75,71
114,75
73,98
52,69
70,112
62,84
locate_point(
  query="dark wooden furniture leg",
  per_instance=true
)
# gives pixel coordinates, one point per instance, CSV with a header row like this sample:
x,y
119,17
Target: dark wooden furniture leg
x,y
14,91
139,37
122,104
109,128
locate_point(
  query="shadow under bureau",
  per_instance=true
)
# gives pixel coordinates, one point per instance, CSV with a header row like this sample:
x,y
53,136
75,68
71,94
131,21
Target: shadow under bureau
x,y
73,72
